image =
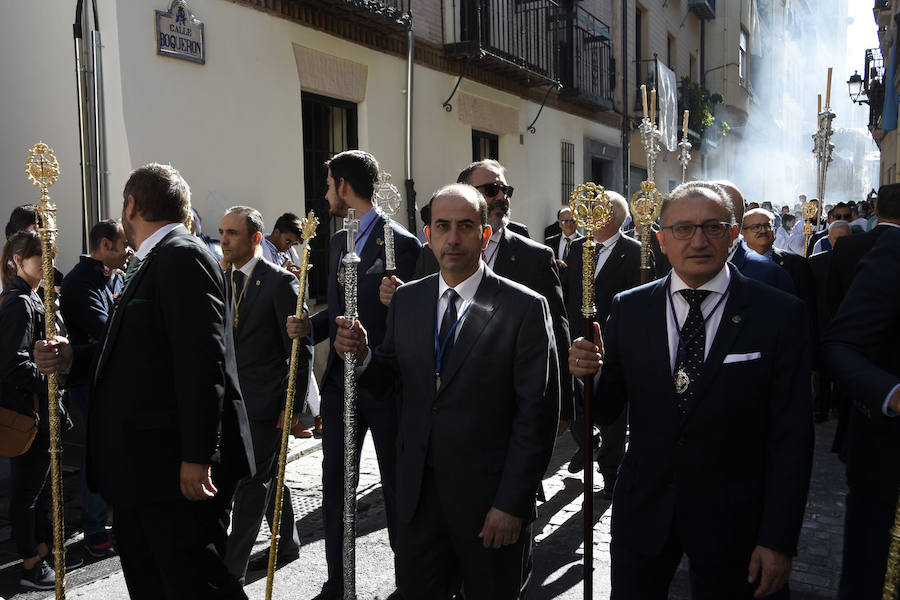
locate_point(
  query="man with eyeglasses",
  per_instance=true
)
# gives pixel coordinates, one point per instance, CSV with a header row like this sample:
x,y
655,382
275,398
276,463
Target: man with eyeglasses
x,y
759,237
717,384
749,263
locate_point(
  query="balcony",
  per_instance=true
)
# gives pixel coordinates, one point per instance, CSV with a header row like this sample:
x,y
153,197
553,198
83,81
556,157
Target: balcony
x,y
515,38
873,84
389,15
586,65
704,9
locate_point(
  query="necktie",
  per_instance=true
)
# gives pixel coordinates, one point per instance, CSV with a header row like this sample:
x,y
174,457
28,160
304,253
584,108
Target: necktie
x,y
446,323
566,250
238,278
691,348
133,267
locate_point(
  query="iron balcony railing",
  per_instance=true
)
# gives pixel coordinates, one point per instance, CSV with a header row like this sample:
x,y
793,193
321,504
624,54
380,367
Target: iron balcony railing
x,y
519,38
874,85
587,67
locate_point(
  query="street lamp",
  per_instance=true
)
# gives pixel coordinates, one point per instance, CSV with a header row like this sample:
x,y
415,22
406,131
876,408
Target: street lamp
x,y
855,86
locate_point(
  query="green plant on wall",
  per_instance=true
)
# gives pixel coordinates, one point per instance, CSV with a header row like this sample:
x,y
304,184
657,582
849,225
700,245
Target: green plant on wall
x,y
701,103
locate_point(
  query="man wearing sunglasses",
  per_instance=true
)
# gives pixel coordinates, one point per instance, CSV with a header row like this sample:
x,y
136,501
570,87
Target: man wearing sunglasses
x,y
561,242
716,377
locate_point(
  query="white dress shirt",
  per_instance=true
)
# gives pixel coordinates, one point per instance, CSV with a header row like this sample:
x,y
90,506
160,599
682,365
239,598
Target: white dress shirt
x,y
156,237
561,249
718,286
490,251
603,250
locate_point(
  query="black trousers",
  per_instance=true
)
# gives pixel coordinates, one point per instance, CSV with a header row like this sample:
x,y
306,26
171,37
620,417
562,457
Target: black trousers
x,y
433,551
381,418
637,575
29,505
867,526
175,550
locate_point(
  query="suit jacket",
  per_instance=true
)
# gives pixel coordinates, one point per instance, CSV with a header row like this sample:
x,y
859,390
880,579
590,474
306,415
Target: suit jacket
x,y
552,242
520,228
261,344
488,432
862,352
734,472
760,268
620,272
370,272
86,300
820,266
534,266
847,253
164,379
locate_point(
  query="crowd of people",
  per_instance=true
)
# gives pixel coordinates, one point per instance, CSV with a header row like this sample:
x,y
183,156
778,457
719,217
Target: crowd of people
x,y
174,347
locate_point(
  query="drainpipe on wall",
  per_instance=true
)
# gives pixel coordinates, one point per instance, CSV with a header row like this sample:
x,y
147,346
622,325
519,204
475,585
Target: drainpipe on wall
x,y
410,184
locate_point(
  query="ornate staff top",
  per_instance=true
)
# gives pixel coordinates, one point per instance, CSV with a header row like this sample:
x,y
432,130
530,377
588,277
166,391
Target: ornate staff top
x,y
308,226
646,203
592,210
351,224
42,170
387,198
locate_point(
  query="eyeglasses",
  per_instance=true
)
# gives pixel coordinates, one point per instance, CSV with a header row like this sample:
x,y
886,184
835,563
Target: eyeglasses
x,y
567,221
491,189
758,227
844,217
713,230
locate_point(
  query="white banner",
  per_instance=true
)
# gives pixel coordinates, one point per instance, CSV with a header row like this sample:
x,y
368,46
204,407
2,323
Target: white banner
x,y
668,106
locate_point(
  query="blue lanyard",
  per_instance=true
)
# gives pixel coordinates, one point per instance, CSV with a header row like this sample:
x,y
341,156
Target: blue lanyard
x,y
442,347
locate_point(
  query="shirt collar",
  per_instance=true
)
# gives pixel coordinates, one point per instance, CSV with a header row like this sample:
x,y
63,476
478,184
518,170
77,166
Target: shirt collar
x,y
886,224
496,235
609,243
718,284
466,288
366,219
155,237
247,269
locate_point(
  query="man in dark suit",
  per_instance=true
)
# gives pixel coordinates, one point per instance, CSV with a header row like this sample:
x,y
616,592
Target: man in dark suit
x,y
561,244
466,476
748,263
86,303
862,351
618,268
352,176
168,436
716,377
847,254
510,255
757,231
261,296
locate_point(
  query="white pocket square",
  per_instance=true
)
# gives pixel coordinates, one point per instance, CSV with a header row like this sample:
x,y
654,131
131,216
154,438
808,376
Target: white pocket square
x,y
733,358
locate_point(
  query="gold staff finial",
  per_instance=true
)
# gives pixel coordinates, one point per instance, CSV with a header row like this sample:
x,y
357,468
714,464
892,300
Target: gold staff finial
x,y
42,170
645,206
592,210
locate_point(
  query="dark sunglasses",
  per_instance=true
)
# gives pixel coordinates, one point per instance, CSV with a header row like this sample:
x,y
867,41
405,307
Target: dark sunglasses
x,y
844,217
491,189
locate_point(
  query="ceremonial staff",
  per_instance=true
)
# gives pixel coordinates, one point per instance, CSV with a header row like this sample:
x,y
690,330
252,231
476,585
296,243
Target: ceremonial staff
x,y
684,149
892,575
823,149
350,280
307,232
42,169
592,210
809,210
645,206
387,199
648,199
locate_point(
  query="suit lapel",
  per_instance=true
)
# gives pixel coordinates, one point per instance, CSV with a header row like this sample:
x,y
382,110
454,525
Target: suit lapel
x,y
115,323
506,259
480,312
253,291
374,244
658,337
613,263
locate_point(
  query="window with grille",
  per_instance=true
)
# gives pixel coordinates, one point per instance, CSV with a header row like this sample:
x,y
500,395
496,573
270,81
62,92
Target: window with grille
x,y
742,60
568,170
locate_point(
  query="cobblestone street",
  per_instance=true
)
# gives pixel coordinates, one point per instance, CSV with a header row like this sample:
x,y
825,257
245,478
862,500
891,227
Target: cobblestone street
x,y
558,552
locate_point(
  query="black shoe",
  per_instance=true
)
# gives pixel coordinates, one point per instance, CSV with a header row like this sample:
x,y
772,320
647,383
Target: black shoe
x,y
38,577
395,595
99,545
576,463
73,562
261,562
